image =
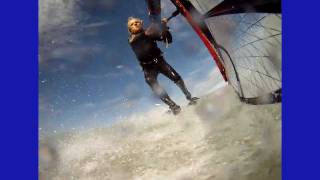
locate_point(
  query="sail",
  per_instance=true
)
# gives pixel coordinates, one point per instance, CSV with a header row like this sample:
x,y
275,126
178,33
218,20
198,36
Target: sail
x,y
245,38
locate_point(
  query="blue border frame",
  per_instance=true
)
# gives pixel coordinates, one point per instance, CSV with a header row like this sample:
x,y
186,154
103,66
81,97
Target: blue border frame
x,y
300,90
19,90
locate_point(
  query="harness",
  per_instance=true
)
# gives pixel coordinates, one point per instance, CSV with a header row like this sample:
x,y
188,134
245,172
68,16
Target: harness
x,y
154,61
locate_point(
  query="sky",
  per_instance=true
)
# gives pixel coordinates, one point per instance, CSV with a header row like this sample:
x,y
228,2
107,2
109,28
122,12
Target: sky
x,y
88,74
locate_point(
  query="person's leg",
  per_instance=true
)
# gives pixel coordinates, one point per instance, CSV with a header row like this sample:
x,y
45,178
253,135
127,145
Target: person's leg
x,y
172,74
151,80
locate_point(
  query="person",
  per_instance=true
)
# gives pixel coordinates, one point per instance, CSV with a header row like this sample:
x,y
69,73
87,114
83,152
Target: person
x,y
144,45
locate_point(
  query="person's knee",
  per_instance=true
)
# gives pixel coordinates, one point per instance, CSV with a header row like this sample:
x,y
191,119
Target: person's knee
x,y
174,76
177,78
150,81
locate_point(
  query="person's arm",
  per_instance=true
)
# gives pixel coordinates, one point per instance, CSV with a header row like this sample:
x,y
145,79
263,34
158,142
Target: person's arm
x,y
154,10
164,35
158,28
154,32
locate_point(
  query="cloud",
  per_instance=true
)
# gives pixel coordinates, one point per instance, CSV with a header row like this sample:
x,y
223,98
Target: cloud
x,y
57,19
96,24
98,5
68,13
61,32
57,13
68,57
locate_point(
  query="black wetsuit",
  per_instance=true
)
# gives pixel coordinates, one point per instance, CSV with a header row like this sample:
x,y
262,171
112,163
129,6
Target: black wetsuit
x,y
152,62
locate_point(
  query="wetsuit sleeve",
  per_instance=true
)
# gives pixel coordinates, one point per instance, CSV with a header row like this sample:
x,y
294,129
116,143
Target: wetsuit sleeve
x,y
159,33
154,32
154,8
159,30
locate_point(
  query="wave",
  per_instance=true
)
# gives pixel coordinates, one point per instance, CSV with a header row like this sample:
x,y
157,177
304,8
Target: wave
x,y
220,138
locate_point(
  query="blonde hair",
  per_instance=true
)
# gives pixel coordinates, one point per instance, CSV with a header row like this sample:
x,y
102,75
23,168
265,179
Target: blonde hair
x,y
131,18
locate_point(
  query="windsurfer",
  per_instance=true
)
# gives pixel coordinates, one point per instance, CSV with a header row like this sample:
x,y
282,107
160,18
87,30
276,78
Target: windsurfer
x,y
143,43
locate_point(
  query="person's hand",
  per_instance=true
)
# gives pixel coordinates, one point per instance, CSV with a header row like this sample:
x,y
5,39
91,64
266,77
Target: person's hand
x,y
166,36
164,21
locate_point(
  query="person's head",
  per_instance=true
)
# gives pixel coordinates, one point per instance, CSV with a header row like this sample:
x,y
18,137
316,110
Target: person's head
x,y
135,25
